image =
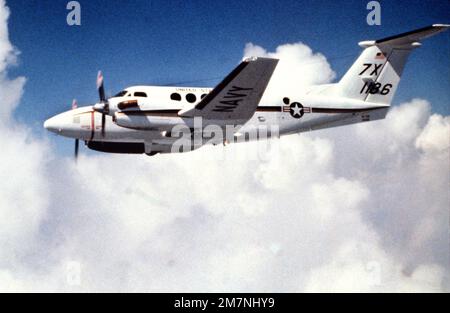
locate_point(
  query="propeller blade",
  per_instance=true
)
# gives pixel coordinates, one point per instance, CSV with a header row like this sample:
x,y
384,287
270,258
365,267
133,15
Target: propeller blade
x,y
100,87
103,124
77,144
77,141
103,101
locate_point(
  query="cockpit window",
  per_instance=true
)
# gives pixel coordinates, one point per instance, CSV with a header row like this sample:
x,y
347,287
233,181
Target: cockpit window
x,y
140,94
121,94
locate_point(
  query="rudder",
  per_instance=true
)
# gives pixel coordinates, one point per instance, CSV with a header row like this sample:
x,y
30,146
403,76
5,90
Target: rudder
x,y
375,75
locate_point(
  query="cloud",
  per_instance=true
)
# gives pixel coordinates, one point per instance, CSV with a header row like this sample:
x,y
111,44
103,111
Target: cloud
x,y
10,90
24,195
358,208
7,51
298,68
433,138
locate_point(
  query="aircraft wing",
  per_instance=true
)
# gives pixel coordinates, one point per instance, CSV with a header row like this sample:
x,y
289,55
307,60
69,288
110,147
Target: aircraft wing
x,y
235,99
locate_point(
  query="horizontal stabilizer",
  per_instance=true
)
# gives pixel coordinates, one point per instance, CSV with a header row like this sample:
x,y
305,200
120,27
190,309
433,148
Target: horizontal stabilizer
x,y
408,37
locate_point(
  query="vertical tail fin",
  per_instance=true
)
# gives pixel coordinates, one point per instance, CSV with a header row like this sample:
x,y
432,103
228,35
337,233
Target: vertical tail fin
x,y
375,75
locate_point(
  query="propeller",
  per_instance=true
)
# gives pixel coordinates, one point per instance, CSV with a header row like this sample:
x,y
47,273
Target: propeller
x,y
77,144
103,105
77,141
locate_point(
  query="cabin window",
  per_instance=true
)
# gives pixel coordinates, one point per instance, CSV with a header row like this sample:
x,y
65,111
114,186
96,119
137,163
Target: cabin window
x,y
120,94
140,94
175,96
202,96
191,98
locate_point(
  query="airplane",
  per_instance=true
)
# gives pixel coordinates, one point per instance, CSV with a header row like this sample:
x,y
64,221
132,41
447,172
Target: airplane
x,y
160,119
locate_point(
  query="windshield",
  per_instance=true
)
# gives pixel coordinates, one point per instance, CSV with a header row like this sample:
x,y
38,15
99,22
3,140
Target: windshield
x,y
120,94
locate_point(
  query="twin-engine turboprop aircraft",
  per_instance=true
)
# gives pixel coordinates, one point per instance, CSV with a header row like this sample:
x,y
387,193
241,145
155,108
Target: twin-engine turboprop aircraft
x,y
151,119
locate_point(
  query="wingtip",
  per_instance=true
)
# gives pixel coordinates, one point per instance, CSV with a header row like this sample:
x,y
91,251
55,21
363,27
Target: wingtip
x,y
249,59
441,25
253,59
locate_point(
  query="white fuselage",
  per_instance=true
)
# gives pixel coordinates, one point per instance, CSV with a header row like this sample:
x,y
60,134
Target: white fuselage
x,y
150,119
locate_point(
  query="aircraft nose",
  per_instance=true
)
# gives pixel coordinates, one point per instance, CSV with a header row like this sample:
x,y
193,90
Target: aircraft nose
x,y
52,125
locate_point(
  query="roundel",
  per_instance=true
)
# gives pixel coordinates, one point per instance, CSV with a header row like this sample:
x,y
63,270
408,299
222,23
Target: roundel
x,y
296,110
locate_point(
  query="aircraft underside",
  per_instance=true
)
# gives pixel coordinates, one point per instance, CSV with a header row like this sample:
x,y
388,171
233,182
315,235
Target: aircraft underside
x,y
267,123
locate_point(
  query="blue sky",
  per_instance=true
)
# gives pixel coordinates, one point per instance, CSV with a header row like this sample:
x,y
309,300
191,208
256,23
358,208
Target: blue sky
x,y
158,42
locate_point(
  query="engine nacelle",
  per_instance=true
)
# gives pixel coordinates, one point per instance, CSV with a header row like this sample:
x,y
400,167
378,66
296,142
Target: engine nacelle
x,y
147,121
117,147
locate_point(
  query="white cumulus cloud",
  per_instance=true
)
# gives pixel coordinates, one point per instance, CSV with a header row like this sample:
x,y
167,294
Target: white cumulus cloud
x,y
298,68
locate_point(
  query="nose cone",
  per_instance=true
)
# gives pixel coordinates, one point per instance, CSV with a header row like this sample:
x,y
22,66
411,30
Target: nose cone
x,y
76,123
53,125
61,124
